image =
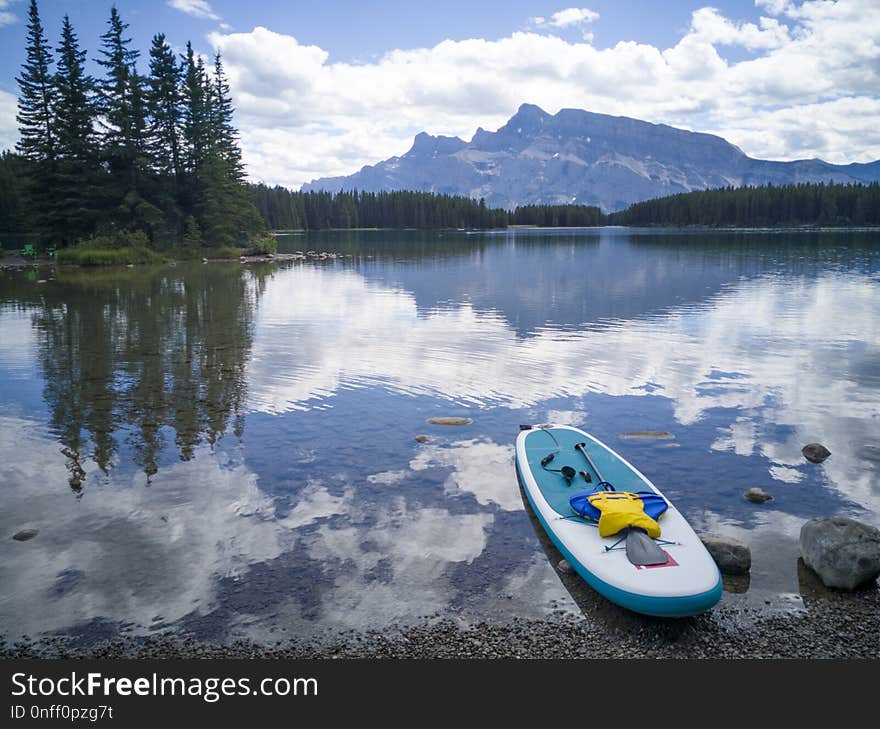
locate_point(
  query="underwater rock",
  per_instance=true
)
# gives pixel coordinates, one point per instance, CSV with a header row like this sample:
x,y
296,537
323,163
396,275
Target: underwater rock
x,y
845,553
757,496
449,421
648,435
815,452
732,556
869,452
423,438
25,534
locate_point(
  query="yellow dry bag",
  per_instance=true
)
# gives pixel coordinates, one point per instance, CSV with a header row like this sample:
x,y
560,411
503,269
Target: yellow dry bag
x,y
620,509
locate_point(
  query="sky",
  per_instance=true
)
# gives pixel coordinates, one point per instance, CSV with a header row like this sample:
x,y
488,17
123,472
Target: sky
x,y
324,88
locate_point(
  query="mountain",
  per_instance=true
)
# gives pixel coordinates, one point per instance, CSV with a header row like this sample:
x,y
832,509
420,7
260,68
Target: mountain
x,y
580,157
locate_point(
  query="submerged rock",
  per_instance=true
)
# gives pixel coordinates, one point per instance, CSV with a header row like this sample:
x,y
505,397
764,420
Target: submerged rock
x,y
423,438
25,534
449,421
845,553
757,496
815,452
869,452
732,556
737,584
648,435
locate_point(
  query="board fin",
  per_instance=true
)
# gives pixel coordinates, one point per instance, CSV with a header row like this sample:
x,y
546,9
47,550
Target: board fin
x,y
641,550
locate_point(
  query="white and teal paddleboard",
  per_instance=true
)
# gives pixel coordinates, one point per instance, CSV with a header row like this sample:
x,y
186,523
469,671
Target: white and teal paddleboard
x,y
687,583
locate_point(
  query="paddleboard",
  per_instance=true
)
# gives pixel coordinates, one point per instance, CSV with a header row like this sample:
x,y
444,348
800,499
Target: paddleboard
x,y
688,583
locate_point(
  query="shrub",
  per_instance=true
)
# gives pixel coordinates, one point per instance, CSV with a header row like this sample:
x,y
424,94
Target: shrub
x,y
265,245
192,235
87,255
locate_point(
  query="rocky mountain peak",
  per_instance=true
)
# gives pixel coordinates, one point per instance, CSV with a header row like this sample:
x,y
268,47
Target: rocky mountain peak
x,y
583,157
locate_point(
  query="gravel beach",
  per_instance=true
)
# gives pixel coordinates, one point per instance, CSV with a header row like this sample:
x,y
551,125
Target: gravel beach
x,y
839,626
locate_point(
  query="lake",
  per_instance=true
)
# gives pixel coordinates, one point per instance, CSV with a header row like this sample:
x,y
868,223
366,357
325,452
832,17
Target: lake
x,y
229,450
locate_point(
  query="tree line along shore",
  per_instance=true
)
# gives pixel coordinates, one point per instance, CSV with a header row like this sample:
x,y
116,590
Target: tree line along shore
x,y
134,167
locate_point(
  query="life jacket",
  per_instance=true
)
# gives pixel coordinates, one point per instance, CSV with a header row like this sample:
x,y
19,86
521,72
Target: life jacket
x,y
621,509
654,504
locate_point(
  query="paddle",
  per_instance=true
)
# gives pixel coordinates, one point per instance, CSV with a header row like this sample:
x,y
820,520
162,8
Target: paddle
x,y
641,550
582,447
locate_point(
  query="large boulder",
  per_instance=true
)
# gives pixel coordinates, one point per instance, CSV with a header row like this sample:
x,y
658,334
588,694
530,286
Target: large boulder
x,y
844,552
732,556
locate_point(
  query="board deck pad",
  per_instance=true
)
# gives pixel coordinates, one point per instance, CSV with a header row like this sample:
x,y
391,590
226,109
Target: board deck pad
x,y
553,486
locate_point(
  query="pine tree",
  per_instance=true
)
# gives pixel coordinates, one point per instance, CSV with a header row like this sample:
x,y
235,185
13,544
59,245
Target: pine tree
x,y
195,115
221,119
165,110
37,138
73,108
117,105
72,210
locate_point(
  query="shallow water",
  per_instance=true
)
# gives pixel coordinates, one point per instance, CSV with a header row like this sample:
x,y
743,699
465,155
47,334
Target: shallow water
x,y
230,450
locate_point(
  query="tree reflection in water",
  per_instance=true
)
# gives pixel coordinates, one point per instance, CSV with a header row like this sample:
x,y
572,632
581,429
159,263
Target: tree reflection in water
x,y
133,356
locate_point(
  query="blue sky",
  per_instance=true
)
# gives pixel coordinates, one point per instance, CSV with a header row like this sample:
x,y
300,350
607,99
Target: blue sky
x,y
323,88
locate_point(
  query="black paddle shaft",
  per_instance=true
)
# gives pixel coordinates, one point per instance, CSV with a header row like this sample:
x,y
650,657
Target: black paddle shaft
x,y
582,447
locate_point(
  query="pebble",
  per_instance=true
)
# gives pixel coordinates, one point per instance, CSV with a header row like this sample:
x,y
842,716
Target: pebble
x,y
845,626
757,496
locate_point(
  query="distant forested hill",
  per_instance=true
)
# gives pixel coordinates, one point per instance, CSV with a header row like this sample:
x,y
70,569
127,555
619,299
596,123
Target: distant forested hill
x,y
768,205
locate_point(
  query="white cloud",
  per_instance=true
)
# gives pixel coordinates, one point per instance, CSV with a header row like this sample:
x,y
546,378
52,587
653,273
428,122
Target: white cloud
x,y
196,8
387,478
774,7
8,124
711,26
568,17
418,546
475,467
304,115
6,17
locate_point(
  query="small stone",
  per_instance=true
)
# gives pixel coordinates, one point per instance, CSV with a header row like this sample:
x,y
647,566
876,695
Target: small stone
x,y
815,452
204,260
564,566
449,421
757,496
423,438
732,556
25,534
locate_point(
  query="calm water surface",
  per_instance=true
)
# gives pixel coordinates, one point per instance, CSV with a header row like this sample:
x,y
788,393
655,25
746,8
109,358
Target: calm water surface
x,y
229,451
